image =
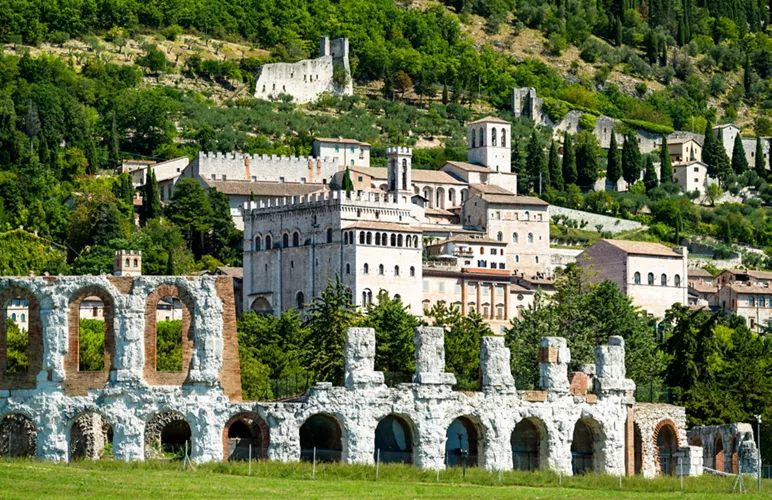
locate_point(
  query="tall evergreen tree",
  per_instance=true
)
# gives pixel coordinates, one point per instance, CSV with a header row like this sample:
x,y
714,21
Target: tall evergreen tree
x,y
665,165
151,198
190,210
631,160
536,163
587,150
556,173
348,184
169,263
650,179
760,162
569,161
613,166
223,238
114,144
747,75
723,164
739,161
709,150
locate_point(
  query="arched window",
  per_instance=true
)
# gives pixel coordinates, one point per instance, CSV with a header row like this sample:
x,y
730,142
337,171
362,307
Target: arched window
x,y
751,301
474,138
285,240
348,268
482,250
369,238
377,238
637,278
515,238
493,137
536,259
677,280
651,278
300,300
268,242
128,263
482,137
396,270
13,316
361,237
258,243
295,239
329,235
663,279
399,240
503,137
412,271
762,303
380,269
24,316
517,258
384,239
136,263
500,236
393,240
367,269
367,297
530,238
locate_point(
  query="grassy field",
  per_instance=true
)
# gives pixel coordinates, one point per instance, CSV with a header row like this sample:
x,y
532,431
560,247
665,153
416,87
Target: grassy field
x,y
107,479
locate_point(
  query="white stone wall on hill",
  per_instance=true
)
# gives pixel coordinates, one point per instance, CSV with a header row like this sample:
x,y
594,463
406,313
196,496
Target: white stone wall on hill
x,y
612,224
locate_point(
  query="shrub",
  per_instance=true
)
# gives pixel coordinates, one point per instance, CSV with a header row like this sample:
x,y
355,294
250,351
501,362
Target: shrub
x,y
555,109
172,32
655,128
587,122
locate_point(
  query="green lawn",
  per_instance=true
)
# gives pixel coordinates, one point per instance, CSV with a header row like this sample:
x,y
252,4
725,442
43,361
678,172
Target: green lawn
x,y
103,480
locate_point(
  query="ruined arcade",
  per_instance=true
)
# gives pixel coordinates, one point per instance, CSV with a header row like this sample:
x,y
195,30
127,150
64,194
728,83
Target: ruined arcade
x,y
56,412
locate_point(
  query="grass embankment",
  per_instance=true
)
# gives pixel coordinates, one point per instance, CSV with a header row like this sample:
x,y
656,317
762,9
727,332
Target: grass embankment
x,y
109,479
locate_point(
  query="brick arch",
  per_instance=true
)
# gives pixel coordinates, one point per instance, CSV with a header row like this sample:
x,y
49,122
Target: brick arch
x,y
76,382
661,425
718,453
151,375
28,379
90,432
258,427
154,429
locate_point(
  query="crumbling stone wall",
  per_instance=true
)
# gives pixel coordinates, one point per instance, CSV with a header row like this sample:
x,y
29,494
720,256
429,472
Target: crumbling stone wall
x,y
726,447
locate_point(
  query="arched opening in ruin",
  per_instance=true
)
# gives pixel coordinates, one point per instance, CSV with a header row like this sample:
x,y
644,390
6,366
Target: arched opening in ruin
x,y
666,441
262,306
586,447
21,339
735,464
18,436
637,449
91,437
168,335
245,434
91,334
529,444
394,440
321,436
718,454
463,442
166,435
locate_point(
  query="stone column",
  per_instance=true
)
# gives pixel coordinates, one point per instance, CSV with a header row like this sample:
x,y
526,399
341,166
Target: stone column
x,y
610,368
495,365
478,289
359,358
207,445
464,298
492,310
53,319
554,357
129,328
430,357
507,298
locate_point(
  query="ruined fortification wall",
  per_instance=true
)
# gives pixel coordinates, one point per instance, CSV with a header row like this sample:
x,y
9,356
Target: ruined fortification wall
x,y
263,168
612,224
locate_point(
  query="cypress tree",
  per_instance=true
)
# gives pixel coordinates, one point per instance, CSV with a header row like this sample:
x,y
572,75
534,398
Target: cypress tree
x,y
723,164
618,33
739,161
665,166
631,160
569,161
681,34
650,176
747,75
587,160
169,263
151,201
650,42
613,166
348,184
709,150
114,145
536,163
556,174
663,56
760,162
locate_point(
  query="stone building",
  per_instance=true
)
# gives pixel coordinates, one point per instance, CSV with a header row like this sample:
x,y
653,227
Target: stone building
x,y
306,80
747,294
63,414
651,274
349,152
693,176
166,172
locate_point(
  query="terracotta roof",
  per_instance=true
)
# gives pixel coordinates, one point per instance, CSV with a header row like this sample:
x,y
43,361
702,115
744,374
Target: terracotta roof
x,y
374,172
483,270
265,189
505,199
341,140
699,273
234,272
680,140
489,119
741,288
434,176
490,189
762,275
437,211
702,287
643,248
470,167
384,226
466,238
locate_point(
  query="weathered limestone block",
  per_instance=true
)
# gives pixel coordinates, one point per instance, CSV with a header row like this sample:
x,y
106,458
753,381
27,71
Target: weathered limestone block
x,y
610,366
359,354
689,461
495,365
206,362
430,357
554,357
748,455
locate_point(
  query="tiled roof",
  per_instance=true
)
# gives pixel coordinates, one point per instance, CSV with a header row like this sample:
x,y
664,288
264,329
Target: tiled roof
x,y
680,140
741,288
762,275
265,189
505,199
491,189
374,172
699,273
643,248
489,119
702,287
434,176
234,272
437,211
341,140
470,167
384,226
467,238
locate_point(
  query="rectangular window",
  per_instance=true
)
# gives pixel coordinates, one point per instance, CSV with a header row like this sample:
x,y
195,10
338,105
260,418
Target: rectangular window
x,y
281,179
485,290
254,178
458,288
214,177
499,290
360,179
223,177
302,180
442,286
426,286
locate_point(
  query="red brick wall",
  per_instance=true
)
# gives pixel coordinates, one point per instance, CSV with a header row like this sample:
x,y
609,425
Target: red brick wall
x,y
151,375
28,379
230,374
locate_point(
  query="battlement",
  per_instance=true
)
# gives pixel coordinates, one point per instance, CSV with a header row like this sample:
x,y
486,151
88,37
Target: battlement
x,y
330,198
398,150
242,157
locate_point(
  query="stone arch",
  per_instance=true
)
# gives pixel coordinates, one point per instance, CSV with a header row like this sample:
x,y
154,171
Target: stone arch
x,y
76,382
464,433
243,430
324,433
718,454
665,441
151,375
166,433
587,445
395,437
21,379
296,238
262,306
440,193
90,433
19,435
428,193
268,242
529,444
452,197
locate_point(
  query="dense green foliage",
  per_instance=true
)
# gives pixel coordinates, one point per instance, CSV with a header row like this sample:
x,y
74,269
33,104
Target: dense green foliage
x,y
91,345
17,342
168,345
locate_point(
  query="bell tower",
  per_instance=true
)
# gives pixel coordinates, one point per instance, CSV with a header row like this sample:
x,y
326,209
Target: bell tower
x,y
489,143
399,161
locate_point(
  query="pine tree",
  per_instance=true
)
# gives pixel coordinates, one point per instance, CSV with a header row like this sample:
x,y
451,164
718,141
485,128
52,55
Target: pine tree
x,y
650,179
536,163
739,161
631,160
556,174
709,150
760,162
569,161
665,166
151,199
613,166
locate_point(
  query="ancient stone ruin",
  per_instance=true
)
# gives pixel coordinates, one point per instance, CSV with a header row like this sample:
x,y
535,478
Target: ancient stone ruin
x,y
587,421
